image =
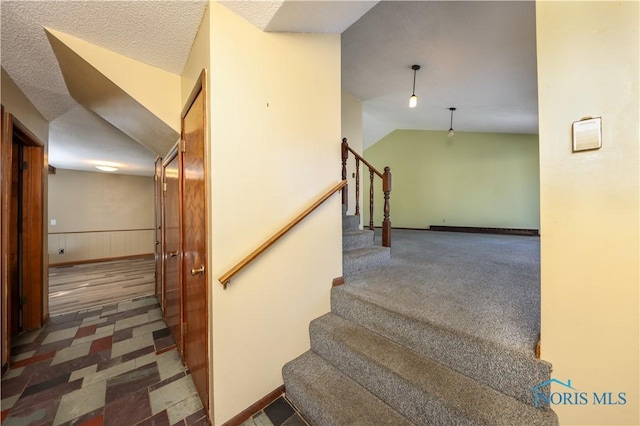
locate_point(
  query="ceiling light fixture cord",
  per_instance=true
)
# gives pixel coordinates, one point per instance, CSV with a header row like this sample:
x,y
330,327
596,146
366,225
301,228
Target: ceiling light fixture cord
x,y
413,100
451,132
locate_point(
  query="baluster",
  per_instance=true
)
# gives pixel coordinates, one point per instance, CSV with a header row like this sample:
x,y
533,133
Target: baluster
x,y
357,186
345,190
386,223
371,199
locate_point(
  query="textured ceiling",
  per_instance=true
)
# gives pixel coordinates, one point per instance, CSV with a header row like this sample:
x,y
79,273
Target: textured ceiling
x,y
479,57
158,33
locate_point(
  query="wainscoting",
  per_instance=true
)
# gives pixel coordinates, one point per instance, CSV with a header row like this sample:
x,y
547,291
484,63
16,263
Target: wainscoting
x,y
98,245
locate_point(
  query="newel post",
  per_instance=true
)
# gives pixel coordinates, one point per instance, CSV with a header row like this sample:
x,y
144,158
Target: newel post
x,y
386,222
345,190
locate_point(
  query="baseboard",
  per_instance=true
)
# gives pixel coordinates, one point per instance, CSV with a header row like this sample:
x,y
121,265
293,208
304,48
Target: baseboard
x,y
337,281
104,259
480,230
247,413
472,229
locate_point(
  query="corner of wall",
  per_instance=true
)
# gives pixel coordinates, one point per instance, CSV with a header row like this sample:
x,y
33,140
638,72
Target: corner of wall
x,y
588,65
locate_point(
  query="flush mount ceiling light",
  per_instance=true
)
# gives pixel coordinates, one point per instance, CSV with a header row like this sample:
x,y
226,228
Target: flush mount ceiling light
x,y
107,168
413,100
451,132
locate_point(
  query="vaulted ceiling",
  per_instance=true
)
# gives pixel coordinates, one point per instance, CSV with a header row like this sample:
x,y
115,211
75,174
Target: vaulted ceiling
x,y
476,56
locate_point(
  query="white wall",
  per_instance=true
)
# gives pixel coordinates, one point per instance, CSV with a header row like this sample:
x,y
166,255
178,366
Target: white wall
x,y
99,215
352,130
275,148
590,258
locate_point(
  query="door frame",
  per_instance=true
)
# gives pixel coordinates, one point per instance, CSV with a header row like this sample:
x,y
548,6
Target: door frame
x,y
200,88
34,312
158,223
173,154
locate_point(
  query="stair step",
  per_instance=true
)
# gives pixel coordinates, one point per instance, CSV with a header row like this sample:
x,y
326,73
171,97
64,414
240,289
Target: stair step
x,y
504,369
364,258
326,397
350,222
424,391
355,239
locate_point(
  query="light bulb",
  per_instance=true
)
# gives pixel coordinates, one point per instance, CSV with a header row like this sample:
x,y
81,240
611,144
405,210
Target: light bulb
x,y
413,101
451,133
107,168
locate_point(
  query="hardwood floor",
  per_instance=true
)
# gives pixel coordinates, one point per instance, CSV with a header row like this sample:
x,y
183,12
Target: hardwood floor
x,y
77,287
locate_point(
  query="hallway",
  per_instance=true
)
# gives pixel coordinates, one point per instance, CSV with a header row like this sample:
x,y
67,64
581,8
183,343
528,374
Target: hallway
x,y
111,365
83,286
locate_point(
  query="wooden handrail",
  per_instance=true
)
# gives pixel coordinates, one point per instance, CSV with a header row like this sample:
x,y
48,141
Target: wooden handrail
x,y
226,277
359,157
386,189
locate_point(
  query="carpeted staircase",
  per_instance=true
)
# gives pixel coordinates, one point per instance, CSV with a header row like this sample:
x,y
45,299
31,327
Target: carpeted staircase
x,y
374,363
358,248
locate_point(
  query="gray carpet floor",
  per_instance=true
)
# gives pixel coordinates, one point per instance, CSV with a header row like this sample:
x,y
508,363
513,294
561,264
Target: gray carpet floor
x,y
487,286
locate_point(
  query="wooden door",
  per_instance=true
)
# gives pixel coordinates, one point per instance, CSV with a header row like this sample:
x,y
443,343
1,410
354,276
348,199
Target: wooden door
x,y
157,192
172,248
15,228
31,237
196,292
25,233
24,304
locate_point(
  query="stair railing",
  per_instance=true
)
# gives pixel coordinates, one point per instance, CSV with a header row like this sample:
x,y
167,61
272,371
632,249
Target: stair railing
x,y
386,190
226,277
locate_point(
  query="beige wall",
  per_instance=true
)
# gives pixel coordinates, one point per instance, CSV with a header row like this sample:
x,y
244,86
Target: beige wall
x,y
352,130
199,59
157,90
588,66
16,103
275,148
99,215
475,179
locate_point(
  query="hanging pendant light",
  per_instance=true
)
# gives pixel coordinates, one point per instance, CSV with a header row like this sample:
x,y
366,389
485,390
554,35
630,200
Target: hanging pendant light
x,y
451,132
413,100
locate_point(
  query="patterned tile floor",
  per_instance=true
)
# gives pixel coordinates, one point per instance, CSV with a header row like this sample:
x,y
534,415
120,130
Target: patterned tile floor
x,y
112,365
278,413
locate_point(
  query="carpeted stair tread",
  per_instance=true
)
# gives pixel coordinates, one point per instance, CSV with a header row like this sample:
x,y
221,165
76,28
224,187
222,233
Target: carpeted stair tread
x,y
355,239
424,391
487,285
363,258
350,222
326,397
504,369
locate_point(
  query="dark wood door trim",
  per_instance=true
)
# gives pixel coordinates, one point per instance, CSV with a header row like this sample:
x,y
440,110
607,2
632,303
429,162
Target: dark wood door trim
x,y
32,216
158,247
32,238
172,246
194,131
5,174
